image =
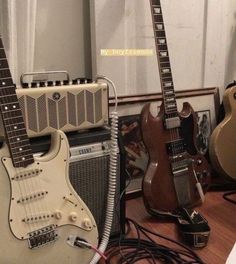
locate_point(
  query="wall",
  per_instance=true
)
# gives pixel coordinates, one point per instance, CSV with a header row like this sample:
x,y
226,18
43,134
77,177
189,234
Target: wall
x,y
198,34
47,35
63,37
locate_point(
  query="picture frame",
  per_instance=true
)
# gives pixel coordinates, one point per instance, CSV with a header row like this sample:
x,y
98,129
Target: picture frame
x,y
131,106
204,130
136,154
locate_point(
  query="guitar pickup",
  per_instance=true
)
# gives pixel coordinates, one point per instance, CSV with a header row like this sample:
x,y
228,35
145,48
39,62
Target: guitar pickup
x,y
172,122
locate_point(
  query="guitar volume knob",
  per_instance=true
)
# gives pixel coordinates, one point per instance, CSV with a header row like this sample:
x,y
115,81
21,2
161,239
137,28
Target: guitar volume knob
x,y
73,217
87,223
199,161
58,214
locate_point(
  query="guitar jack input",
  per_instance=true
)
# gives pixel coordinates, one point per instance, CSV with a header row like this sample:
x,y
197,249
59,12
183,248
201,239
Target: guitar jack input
x,y
76,241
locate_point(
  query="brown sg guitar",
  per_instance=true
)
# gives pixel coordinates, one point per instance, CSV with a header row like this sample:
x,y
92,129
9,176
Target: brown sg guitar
x,y
177,175
223,140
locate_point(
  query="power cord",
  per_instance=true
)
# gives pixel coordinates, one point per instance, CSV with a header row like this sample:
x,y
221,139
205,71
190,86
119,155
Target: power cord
x,y
131,250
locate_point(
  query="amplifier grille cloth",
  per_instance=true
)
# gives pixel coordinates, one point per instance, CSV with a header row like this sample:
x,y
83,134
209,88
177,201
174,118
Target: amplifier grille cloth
x,y
90,180
65,107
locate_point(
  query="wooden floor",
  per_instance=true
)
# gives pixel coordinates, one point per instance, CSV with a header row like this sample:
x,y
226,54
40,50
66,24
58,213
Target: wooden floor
x,y
220,214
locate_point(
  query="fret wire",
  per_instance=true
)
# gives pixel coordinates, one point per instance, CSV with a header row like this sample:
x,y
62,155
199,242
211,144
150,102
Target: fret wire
x,y
10,103
5,78
17,131
23,161
18,142
11,111
12,117
22,146
12,124
23,152
23,156
7,86
169,99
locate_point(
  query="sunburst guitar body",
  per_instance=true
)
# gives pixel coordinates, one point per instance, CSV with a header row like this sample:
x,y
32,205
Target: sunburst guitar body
x,y
223,140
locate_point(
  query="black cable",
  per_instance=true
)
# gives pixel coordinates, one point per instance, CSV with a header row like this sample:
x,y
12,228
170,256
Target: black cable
x,y
136,249
225,196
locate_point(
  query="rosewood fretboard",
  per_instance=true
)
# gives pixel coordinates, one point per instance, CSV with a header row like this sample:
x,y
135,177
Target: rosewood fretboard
x,y
12,118
166,79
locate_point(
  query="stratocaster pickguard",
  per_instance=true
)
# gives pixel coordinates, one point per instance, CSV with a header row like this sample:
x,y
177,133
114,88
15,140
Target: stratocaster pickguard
x,y
41,194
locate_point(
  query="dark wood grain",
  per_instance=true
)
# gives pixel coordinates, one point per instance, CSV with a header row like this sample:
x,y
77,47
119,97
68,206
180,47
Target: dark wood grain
x,y
221,217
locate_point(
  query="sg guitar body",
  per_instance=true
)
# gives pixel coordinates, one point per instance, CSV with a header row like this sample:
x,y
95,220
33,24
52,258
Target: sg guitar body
x,y
159,191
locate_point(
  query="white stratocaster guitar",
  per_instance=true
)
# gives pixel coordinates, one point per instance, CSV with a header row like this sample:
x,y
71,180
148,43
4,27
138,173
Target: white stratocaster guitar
x,y
42,219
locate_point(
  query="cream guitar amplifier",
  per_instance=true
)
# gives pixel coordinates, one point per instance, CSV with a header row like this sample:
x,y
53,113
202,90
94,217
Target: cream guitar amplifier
x,y
63,106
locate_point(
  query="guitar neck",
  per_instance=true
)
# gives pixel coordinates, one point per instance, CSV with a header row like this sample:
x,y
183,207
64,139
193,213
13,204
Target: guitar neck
x,y
13,122
163,59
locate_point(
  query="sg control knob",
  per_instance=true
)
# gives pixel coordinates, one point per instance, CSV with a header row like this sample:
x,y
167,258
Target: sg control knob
x,y
199,161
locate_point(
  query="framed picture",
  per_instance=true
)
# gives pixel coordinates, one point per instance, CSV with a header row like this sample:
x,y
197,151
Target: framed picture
x,y
136,155
204,130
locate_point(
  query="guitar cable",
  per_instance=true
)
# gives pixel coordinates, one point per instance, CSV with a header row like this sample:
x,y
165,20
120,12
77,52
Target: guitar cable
x,y
131,250
112,176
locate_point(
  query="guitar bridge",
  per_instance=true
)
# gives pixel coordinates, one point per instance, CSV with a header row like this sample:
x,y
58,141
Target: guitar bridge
x,y
42,237
180,167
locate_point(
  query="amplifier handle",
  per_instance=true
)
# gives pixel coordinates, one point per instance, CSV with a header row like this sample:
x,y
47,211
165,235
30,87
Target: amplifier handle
x,y
41,73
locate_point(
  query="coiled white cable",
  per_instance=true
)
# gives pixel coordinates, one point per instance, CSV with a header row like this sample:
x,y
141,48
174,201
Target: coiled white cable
x,y
112,177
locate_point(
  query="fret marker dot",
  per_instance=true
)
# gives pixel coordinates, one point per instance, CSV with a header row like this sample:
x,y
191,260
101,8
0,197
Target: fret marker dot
x,y
5,107
20,149
23,158
14,106
18,139
15,127
3,83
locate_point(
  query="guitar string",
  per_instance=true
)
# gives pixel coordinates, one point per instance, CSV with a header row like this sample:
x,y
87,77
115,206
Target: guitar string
x,y
26,184
8,125
174,132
